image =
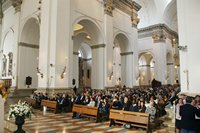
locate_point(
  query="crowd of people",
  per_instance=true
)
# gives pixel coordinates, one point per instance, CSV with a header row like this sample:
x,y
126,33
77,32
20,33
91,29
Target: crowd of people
x,y
149,100
146,100
188,114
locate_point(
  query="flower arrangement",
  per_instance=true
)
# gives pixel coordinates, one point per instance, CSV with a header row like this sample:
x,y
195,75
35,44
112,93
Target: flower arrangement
x,y
21,109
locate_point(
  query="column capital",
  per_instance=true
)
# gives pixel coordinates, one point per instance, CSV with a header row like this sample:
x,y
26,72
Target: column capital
x,y
134,19
159,36
98,46
108,7
17,5
126,53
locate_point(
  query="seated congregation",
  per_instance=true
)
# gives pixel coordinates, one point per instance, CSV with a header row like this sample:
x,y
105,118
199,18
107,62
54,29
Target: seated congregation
x,y
138,108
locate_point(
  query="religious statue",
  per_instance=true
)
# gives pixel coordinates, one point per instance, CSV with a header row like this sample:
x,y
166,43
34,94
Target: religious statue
x,y
4,60
10,62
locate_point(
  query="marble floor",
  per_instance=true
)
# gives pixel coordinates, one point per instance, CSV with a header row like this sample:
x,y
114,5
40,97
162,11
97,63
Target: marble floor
x,y
63,123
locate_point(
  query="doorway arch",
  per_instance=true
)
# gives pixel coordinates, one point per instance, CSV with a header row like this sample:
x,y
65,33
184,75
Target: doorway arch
x,y
29,53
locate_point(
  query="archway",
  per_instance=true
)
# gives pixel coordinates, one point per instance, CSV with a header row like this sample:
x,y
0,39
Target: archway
x,y
88,69
146,68
29,53
122,60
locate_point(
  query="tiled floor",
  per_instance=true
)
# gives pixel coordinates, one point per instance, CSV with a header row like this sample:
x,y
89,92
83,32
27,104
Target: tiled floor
x,y
63,123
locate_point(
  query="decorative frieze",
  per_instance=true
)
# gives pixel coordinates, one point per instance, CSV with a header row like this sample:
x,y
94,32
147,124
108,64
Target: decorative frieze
x,y
158,32
108,7
17,5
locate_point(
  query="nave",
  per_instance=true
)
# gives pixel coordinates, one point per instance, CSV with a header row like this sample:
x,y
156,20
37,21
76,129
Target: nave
x,y
63,123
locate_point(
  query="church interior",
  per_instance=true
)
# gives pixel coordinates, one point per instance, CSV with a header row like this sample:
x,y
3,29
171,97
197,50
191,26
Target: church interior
x,y
107,66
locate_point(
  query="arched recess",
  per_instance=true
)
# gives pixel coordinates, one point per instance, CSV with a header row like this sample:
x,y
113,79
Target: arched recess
x,y
146,68
7,55
29,53
87,39
122,61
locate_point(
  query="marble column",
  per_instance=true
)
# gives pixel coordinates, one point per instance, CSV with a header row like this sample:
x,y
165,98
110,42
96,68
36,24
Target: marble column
x,y
160,56
127,71
108,31
98,66
188,26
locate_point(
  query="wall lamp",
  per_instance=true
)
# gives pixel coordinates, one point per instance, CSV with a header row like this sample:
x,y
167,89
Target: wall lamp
x,y
182,48
40,73
63,73
111,75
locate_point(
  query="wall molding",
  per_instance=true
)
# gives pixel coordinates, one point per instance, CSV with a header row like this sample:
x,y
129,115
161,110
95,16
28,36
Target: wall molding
x,y
36,46
98,46
126,53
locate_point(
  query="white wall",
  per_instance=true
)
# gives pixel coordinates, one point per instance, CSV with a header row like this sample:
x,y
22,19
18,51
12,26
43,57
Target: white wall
x,y
28,64
188,23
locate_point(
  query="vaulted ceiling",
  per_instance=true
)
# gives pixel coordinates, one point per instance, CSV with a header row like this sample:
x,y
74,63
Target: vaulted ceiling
x,y
158,11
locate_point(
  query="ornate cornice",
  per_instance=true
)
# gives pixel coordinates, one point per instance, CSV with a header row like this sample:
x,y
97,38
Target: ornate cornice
x,y
158,32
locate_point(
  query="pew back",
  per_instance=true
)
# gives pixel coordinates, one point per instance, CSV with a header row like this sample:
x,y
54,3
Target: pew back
x,y
50,104
30,101
136,119
86,110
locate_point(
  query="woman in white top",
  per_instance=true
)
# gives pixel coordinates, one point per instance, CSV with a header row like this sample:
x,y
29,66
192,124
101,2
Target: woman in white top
x,y
91,103
178,117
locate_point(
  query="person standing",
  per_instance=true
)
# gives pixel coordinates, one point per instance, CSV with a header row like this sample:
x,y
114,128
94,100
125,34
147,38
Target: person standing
x,y
188,112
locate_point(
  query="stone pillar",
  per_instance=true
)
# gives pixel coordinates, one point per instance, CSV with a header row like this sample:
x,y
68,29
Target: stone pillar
x,y
45,32
98,66
127,72
55,54
76,68
108,31
160,51
189,28
2,114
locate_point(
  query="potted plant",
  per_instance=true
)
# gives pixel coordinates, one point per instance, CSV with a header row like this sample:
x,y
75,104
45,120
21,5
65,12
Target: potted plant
x,y
20,111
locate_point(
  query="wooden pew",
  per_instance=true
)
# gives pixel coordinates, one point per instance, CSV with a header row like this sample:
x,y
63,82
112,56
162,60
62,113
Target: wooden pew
x,y
30,101
134,118
86,111
50,104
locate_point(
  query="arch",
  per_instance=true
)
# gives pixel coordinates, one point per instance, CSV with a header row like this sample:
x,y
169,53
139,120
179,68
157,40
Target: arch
x,y
146,68
122,41
91,27
10,35
29,52
31,26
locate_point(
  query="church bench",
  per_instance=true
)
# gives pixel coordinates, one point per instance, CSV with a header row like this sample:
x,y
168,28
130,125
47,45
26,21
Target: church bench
x,y
30,101
53,105
87,111
136,119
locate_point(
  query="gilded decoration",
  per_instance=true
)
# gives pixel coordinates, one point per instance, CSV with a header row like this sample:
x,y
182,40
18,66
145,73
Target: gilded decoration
x,y
159,37
108,7
17,5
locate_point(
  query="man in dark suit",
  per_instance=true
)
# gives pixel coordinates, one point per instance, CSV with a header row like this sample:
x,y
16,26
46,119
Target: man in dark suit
x,y
134,107
188,121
